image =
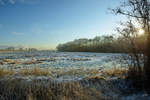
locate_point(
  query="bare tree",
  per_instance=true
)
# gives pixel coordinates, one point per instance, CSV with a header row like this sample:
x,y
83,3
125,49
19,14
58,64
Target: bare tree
x,y
137,11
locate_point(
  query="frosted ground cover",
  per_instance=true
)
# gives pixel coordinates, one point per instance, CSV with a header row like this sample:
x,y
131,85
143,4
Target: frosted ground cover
x,y
109,86
61,65
45,59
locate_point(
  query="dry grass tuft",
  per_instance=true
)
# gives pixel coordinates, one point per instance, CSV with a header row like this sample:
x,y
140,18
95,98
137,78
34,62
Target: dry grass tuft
x,y
62,72
117,72
34,71
93,72
96,78
77,72
4,72
17,89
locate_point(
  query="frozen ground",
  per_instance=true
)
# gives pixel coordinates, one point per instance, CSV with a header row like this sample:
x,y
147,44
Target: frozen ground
x,y
110,86
47,59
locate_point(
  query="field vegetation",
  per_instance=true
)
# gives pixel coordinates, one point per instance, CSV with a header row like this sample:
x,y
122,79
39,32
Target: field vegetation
x,y
39,84
91,84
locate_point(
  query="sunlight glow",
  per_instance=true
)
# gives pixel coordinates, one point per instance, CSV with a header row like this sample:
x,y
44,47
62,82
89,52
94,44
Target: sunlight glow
x,y
141,31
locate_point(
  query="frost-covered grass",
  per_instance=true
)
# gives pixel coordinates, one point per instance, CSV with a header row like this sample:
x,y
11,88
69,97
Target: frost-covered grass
x,y
63,76
57,59
56,73
41,84
77,72
19,89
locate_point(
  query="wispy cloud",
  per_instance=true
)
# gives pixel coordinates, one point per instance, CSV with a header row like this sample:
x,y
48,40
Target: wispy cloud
x,y
17,33
3,2
12,1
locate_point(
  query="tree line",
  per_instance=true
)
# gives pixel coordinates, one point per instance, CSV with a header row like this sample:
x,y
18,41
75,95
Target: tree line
x,y
102,44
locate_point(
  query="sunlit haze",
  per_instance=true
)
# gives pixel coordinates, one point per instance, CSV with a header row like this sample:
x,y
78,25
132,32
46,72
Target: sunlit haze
x,y
141,31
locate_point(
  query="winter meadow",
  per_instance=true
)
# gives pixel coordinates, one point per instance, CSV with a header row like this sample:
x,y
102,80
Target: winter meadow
x,y
75,50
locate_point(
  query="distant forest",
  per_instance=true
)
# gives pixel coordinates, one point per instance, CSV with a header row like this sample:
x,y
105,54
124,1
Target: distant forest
x,y
103,44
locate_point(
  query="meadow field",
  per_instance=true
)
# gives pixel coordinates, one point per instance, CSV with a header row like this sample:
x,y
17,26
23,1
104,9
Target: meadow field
x,y
47,75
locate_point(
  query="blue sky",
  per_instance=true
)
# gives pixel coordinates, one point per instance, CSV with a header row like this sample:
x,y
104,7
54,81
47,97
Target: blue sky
x,y
44,24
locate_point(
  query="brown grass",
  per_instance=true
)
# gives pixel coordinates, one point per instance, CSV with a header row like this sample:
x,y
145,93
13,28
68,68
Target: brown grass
x,y
7,60
117,72
96,77
17,89
34,71
20,89
4,72
77,72
86,73
62,72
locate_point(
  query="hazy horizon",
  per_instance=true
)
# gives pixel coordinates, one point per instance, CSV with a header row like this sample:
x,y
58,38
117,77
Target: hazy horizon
x,y
43,24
